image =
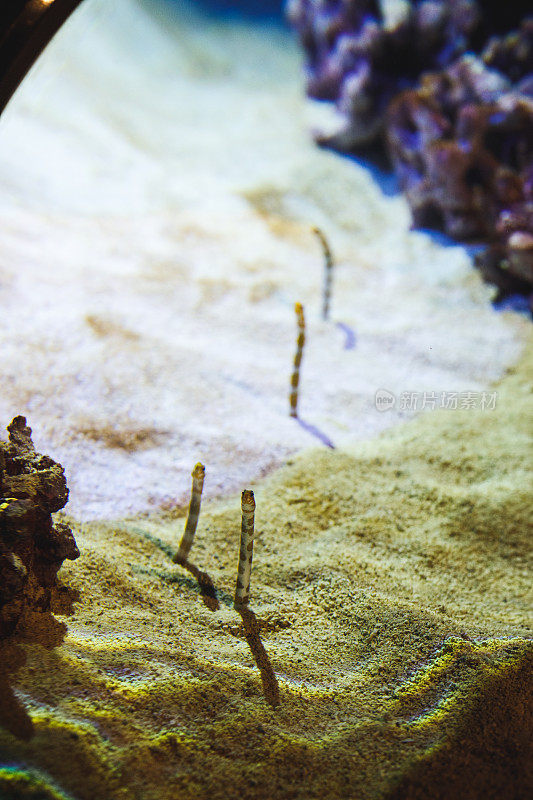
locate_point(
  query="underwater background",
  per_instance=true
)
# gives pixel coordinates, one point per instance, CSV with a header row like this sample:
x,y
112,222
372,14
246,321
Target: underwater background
x,y
159,189
265,8
159,186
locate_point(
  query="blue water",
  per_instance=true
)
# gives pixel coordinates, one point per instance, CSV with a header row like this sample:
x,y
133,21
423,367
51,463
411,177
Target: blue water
x,y
515,302
240,8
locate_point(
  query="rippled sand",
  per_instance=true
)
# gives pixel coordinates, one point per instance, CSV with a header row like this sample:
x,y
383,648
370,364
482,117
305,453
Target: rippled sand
x,y
391,586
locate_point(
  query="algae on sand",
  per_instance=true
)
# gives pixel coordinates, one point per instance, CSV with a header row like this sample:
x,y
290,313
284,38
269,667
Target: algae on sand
x,y
391,588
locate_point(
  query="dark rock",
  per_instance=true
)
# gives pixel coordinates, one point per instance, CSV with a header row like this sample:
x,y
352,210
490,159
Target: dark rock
x,y
32,549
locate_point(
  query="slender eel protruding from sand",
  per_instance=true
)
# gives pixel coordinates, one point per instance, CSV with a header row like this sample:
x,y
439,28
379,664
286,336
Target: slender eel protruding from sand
x,y
187,539
253,637
242,598
242,591
295,377
328,271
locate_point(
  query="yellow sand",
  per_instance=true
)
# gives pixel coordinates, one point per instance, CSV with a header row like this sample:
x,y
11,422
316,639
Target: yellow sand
x,y
391,589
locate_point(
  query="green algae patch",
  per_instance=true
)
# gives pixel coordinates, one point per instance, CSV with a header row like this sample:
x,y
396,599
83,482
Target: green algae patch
x,y
455,676
17,784
488,750
391,591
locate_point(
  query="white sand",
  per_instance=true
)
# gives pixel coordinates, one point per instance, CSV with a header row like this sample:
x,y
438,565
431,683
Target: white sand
x,y
157,186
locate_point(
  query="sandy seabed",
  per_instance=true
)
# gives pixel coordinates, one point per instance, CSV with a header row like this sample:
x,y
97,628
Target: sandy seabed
x,y
391,585
391,590
157,190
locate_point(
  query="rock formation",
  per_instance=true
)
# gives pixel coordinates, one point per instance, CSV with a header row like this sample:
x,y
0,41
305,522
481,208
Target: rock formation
x,y
452,101
32,548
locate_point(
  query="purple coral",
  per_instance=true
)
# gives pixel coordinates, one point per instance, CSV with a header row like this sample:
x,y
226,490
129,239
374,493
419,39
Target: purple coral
x,y
462,146
458,127
361,53
512,54
459,144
